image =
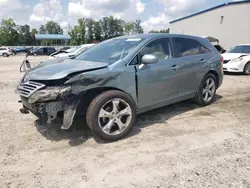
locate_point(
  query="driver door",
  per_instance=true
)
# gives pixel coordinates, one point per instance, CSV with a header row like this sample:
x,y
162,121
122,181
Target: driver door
x,y
157,83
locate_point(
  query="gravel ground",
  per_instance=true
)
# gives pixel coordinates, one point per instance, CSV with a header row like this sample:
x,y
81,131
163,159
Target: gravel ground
x,y
181,145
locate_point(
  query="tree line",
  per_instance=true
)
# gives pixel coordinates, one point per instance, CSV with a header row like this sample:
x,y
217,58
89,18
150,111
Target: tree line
x,y
85,31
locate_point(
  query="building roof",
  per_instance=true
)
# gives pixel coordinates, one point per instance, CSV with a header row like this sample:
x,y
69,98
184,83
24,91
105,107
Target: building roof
x,y
207,10
52,37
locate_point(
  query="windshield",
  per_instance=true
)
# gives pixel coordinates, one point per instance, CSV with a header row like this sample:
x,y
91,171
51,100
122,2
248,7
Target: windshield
x,y
240,49
111,50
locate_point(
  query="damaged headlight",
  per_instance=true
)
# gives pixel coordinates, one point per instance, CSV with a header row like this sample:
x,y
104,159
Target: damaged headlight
x,y
48,94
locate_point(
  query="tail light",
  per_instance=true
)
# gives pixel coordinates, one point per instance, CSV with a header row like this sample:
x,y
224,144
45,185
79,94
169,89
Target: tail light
x,y
9,50
221,59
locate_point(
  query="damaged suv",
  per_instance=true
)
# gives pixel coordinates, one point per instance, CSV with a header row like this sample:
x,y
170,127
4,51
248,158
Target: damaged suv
x,y
119,78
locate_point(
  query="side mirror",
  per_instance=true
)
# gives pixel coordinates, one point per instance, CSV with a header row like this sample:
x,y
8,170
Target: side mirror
x,y
149,59
25,66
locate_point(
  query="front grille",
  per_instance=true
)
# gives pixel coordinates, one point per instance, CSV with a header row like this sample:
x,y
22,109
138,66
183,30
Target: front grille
x,y
27,88
226,61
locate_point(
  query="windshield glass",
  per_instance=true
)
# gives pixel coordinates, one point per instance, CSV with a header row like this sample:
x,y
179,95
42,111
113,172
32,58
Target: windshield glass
x,y
240,49
111,50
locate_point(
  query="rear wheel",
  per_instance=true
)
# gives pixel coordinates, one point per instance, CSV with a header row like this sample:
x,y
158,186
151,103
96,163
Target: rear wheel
x,y
5,55
207,90
247,69
111,115
35,54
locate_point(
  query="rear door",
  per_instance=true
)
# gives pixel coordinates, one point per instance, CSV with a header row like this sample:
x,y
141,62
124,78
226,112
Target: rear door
x,y
189,59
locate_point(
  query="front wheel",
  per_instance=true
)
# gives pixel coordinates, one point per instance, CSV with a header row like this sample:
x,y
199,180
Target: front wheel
x,y
207,90
5,55
247,69
111,115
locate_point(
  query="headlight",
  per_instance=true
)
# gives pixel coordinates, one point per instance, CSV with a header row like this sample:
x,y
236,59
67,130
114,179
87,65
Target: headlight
x,y
48,94
237,59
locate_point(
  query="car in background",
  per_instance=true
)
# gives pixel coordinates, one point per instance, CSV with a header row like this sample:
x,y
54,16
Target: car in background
x,y
64,51
117,79
18,50
237,59
42,51
5,51
69,54
65,48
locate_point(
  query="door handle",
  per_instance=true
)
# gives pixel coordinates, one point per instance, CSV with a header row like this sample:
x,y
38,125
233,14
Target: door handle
x,y
202,61
175,67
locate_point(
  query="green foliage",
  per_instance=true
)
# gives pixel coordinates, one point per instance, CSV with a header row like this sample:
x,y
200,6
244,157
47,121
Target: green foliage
x,y
85,31
161,31
8,32
53,28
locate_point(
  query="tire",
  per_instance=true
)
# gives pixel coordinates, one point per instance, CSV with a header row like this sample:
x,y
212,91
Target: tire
x,y
247,69
35,54
207,90
113,103
5,55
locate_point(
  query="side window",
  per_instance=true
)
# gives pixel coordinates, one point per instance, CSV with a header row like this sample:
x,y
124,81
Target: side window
x,y
2,48
187,47
135,61
159,47
205,50
246,49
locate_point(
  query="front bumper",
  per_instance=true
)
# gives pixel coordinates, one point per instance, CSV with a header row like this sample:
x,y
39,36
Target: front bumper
x,y
233,67
46,104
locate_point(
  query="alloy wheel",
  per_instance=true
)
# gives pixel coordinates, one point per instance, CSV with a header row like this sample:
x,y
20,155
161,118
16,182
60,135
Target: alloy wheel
x,y
247,69
208,90
115,116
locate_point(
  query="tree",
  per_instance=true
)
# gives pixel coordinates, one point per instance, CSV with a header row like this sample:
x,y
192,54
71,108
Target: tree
x,y
97,30
90,30
105,28
33,32
25,34
137,27
8,32
81,31
129,28
53,28
161,31
42,29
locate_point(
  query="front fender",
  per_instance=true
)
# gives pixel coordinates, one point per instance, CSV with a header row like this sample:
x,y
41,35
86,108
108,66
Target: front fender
x,y
122,78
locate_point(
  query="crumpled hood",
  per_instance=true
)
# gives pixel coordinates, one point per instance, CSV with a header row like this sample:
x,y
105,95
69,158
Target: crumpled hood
x,y
229,56
54,70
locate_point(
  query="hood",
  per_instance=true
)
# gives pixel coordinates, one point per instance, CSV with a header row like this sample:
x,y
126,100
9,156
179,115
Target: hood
x,y
229,56
52,70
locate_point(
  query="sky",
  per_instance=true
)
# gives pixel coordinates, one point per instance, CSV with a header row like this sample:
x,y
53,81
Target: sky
x,y
154,14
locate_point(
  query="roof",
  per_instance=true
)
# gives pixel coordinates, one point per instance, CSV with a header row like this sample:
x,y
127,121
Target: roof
x,y
52,37
213,8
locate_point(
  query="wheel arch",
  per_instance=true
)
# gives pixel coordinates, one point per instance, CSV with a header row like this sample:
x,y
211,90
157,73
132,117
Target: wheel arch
x,y
216,76
87,96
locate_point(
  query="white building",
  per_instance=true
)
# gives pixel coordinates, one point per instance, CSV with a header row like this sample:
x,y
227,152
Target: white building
x,y
229,22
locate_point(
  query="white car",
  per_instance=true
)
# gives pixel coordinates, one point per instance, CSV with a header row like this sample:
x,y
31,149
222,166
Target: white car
x,y
72,53
237,59
5,51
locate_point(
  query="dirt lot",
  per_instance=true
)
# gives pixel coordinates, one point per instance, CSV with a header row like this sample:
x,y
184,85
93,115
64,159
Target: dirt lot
x,y
177,146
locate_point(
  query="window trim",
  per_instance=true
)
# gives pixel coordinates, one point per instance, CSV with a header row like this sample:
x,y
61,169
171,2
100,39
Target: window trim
x,y
200,52
138,52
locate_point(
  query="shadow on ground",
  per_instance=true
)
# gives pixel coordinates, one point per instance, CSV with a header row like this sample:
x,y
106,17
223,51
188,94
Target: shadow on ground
x,y
234,74
80,133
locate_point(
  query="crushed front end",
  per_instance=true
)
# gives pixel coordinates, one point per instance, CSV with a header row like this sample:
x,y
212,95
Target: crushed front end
x,y
47,102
